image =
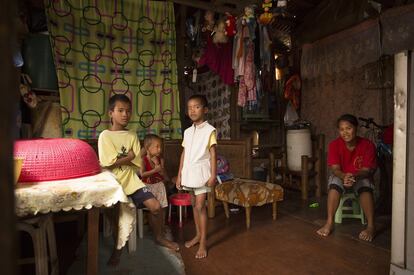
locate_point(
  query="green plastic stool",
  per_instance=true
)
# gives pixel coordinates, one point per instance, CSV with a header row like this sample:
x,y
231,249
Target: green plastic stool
x,y
353,211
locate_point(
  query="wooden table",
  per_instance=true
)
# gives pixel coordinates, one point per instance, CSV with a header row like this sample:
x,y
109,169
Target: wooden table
x,y
89,193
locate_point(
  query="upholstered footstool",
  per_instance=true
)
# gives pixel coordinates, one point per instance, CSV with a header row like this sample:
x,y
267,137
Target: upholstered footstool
x,y
248,193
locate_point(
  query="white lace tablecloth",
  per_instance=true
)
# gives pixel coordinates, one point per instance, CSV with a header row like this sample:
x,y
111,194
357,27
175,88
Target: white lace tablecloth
x,y
101,190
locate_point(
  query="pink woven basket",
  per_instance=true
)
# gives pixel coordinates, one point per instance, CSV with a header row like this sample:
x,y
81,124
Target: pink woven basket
x,y
55,159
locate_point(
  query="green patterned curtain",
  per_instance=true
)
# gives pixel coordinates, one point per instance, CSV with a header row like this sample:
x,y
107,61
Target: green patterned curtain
x,y
107,47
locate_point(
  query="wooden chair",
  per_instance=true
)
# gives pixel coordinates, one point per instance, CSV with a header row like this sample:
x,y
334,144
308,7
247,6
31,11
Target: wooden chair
x,y
311,167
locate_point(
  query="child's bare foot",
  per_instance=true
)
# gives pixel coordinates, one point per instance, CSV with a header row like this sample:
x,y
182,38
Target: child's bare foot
x,y
115,258
192,242
367,234
168,244
201,252
325,230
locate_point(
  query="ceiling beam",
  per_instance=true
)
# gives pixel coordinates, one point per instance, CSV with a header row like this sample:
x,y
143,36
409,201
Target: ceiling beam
x,y
208,6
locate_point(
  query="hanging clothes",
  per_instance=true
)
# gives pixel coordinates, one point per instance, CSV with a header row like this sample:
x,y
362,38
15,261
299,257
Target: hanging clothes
x,y
247,81
292,90
218,57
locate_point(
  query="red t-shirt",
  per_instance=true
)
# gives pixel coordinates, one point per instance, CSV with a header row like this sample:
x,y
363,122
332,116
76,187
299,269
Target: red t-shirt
x,y
363,155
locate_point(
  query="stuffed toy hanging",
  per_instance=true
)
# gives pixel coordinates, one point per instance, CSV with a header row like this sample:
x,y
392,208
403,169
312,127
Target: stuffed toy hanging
x,y
266,17
230,25
248,16
209,23
249,21
219,32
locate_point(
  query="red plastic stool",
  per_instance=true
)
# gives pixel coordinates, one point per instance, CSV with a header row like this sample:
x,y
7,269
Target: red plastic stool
x,y
180,200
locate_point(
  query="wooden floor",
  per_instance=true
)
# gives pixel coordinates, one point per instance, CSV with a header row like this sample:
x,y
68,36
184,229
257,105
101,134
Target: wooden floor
x,y
288,245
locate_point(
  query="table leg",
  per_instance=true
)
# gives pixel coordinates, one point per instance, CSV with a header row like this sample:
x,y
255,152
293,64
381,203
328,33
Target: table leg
x,y
93,241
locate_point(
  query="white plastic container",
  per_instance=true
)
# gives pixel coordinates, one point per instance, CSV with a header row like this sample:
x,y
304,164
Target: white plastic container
x,y
298,143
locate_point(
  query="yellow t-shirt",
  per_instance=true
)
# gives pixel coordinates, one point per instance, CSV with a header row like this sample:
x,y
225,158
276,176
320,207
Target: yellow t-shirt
x,y
116,144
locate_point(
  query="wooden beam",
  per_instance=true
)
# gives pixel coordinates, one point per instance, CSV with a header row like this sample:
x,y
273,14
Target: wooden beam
x,y
207,6
8,108
180,55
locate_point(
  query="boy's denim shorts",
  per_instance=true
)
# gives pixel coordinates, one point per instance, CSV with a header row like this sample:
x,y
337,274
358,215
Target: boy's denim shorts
x,y
140,196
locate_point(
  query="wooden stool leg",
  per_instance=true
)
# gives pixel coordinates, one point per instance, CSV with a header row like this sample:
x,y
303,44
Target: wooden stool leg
x,y
226,209
274,206
248,212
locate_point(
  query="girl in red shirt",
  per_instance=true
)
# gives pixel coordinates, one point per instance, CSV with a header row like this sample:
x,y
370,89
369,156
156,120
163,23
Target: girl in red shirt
x,y
352,162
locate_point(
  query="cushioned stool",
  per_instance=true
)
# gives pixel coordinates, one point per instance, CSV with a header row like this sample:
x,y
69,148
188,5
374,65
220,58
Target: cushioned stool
x,y
249,193
180,200
353,211
42,232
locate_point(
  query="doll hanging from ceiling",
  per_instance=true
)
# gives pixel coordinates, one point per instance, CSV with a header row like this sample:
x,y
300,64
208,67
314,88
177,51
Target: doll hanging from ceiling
x,y
209,22
219,32
249,21
267,15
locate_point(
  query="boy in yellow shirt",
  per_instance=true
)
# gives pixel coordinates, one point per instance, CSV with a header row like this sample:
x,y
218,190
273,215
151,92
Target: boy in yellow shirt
x,y
119,151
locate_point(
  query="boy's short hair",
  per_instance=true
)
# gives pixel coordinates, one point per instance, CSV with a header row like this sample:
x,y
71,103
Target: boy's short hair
x,y
348,118
201,98
118,97
148,139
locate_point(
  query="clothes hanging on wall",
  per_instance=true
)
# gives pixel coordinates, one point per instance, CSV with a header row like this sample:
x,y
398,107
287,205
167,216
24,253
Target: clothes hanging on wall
x,y
247,81
218,57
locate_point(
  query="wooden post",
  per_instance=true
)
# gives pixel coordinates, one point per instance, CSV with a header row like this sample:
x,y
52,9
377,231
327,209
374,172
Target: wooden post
x,y
211,203
93,241
274,207
272,165
305,177
318,170
324,185
180,56
8,108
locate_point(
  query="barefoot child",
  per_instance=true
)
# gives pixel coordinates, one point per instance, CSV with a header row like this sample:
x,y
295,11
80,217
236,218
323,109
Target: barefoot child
x,y
198,165
119,151
152,170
